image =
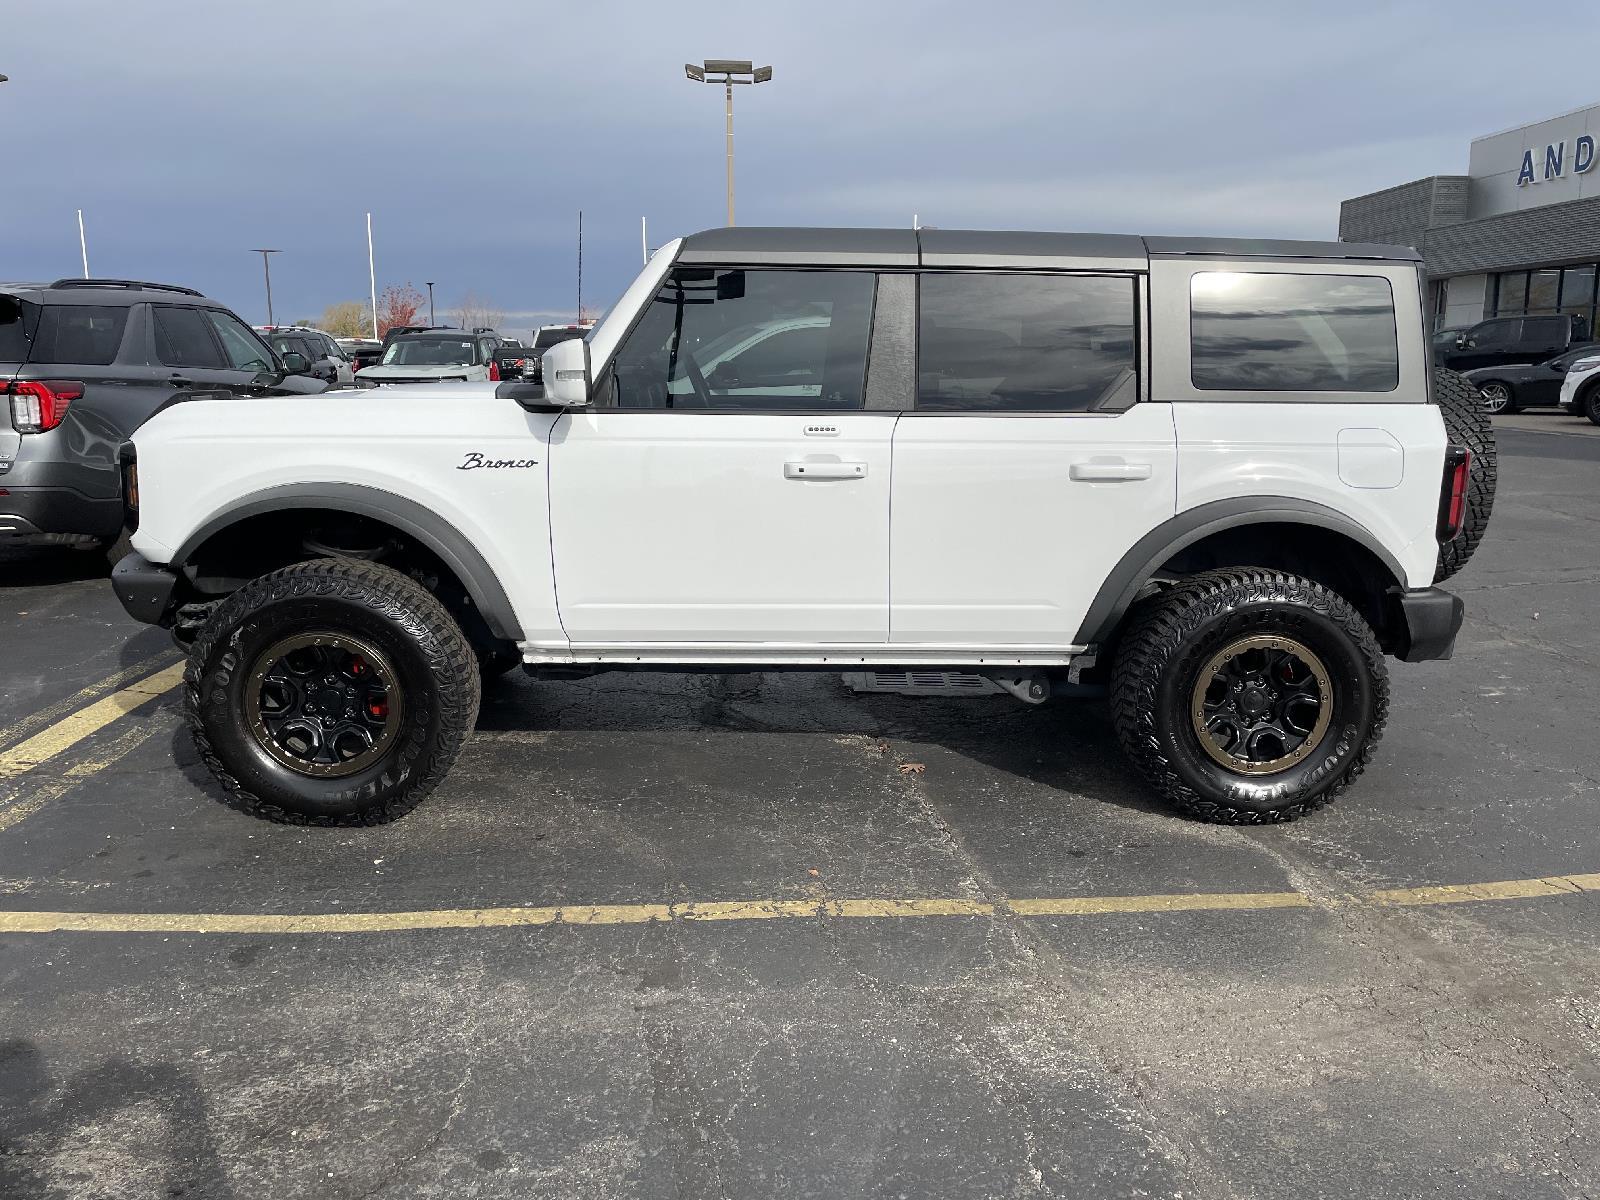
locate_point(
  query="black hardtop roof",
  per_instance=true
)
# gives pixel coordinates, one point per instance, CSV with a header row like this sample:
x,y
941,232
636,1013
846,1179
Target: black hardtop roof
x,y
776,246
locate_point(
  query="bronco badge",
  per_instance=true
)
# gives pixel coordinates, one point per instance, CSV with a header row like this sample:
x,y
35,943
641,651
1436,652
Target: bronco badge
x,y
474,460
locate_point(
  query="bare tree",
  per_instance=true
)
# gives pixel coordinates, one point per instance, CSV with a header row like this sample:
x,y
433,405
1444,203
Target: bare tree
x,y
473,313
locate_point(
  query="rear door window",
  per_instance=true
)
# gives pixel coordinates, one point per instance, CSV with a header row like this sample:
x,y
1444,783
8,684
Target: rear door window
x,y
1262,331
184,339
85,334
1494,333
1024,343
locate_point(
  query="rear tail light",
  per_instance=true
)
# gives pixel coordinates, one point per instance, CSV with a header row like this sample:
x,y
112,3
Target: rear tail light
x,y
1453,495
38,405
494,371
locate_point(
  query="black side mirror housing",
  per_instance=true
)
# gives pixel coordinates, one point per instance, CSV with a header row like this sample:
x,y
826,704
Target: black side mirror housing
x,y
529,395
295,363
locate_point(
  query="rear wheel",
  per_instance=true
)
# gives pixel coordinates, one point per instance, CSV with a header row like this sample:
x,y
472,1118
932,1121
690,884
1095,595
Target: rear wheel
x,y
1589,403
1247,696
331,692
1498,398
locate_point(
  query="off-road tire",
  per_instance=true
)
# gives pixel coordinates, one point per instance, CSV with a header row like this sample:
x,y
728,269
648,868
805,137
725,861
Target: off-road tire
x,y
1168,640
435,665
1467,424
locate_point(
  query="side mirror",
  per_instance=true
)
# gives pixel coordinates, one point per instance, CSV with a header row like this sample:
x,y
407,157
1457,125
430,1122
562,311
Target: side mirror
x,y
1462,341
565,371
295,363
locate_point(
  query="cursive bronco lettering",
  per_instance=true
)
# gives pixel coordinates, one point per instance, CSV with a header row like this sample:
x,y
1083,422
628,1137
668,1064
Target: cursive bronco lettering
x,y
474,460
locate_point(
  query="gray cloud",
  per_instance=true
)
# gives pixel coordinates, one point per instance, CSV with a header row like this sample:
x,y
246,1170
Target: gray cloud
x,y
189,131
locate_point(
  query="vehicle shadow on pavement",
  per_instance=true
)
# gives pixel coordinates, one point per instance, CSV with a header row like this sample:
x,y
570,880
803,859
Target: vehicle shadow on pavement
x,y
43,1122
44,565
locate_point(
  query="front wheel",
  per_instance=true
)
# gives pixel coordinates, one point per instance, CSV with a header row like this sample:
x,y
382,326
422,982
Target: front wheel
x,y
1248,695
331,692
1589,403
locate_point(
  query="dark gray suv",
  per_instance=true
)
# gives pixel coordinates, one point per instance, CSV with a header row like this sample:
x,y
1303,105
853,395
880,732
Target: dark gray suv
x,y
85,362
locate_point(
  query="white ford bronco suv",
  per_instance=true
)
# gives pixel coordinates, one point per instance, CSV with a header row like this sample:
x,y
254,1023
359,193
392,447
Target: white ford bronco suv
x,y
1216,480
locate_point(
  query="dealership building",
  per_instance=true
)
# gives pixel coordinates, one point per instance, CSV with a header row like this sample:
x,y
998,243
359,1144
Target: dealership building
x,y
1518,233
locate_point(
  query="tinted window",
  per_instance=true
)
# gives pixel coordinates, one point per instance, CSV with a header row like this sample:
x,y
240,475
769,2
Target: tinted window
x,y
1494,333
86,334
245,351
1265,331
17,321
183,338
1544,288
1546,331
549,337
1021,343
749,340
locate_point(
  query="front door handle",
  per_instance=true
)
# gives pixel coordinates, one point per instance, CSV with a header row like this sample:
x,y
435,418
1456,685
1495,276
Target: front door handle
x,y
824,470
1108,471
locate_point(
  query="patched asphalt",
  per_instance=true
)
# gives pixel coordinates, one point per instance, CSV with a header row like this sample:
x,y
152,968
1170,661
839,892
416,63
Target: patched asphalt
x,y
1333,1050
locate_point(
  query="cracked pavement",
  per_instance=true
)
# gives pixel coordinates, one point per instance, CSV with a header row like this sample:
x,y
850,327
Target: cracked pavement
x,y
1333,1050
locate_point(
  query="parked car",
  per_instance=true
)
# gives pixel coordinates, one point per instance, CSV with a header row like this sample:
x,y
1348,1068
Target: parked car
x,y
1502,340
1443,340
83,363
325,358
1580,390
438,356
546,336
1509,389
1218,477
512,358
362,352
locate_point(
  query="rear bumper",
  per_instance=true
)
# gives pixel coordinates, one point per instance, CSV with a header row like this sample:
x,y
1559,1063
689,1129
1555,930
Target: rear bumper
x,y
1429,620
145,589
55,513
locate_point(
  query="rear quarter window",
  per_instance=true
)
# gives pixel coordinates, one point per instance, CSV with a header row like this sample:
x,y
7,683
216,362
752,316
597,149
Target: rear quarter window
x,y
87,335
1261,331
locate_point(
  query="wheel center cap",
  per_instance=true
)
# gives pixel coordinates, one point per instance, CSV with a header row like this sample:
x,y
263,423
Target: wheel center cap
x,y
329,700
1253,702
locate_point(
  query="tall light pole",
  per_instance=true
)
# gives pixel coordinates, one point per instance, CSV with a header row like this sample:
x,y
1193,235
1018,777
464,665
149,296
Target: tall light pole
x,y
266,266
728,71
430,302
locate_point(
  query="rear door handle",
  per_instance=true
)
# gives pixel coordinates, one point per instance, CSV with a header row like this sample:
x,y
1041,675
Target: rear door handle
x,y
824,470
1108,471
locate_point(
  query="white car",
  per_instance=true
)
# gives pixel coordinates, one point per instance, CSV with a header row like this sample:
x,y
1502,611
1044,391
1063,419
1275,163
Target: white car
x,y
1580,390
1213,477
437,356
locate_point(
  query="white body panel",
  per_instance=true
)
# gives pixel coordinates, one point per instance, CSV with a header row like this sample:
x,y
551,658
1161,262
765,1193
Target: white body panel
x,y
1577,375
1005,526
695,526
199,458
1227,449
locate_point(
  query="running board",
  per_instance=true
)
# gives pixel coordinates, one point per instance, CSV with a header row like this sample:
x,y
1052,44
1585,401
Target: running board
x,y
1031,687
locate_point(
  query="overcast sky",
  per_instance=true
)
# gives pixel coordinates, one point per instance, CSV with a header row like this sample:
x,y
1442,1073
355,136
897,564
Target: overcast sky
x,y
190,131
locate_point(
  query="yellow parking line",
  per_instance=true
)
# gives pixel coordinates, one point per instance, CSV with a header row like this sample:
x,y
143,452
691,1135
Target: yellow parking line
x,y
29,725
34,795
757,910
72,729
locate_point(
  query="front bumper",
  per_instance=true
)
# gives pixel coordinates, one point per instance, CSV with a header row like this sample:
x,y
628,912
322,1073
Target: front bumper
x,y
145,589
1428,621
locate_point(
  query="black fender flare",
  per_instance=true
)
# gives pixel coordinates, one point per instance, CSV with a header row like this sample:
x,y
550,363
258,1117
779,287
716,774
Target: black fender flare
x,y
454,549
1139,564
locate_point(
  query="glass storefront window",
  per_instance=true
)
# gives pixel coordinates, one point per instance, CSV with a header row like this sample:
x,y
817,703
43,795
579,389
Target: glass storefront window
x,y
1544,291
1511,293
1577,286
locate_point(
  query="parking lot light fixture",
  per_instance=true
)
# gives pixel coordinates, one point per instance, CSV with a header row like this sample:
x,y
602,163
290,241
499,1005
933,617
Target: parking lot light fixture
x,y
728,71
266,267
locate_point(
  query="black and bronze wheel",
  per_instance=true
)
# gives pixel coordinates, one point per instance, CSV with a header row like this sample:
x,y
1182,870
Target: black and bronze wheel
x,y
334,691
1248,695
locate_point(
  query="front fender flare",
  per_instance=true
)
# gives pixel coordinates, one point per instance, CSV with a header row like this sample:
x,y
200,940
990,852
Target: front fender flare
x,y
454,549
1139,564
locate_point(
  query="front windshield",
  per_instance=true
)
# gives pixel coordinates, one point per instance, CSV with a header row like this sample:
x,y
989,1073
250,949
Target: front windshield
x,y
431,352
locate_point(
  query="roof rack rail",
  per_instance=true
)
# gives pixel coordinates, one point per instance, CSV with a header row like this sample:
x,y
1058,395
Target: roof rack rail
x,y
135,284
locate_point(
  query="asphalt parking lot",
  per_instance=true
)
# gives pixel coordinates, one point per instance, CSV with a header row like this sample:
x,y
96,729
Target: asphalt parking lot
x,y
698,936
